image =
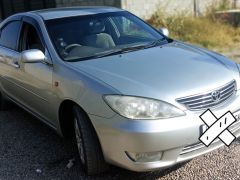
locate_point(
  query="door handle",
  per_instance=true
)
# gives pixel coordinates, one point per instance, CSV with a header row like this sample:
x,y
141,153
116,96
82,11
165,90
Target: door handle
x,y
15,64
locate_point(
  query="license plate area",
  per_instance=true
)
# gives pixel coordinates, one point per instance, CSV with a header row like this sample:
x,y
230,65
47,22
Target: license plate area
x,y
237,115
233,127
236,125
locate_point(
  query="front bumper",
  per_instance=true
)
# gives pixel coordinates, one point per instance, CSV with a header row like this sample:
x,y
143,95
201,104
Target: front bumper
x,y
176,138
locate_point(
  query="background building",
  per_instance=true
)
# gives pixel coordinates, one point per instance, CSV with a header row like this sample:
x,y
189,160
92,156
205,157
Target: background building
x,y
142,8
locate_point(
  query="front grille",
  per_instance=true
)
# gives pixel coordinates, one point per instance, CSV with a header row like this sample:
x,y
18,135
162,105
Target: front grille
x,y
206,100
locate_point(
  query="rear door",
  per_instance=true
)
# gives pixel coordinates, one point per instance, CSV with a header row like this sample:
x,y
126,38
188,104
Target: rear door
x,y
9,57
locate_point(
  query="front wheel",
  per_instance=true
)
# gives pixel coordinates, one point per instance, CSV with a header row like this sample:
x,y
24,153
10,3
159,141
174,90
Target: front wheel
x,y
89,148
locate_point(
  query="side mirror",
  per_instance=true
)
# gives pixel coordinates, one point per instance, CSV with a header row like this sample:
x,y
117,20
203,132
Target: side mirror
x,y
32,56
164,31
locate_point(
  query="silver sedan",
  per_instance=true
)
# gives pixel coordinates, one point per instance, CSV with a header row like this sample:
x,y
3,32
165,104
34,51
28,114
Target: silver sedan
x,y
123,92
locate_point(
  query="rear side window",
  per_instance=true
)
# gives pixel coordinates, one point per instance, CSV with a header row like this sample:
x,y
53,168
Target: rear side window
x,y
9,35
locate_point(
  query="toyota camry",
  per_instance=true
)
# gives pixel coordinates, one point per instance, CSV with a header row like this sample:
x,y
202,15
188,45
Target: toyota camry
x,y
122,91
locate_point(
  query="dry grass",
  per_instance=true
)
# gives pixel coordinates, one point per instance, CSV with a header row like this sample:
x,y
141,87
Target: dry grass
x,y
204,31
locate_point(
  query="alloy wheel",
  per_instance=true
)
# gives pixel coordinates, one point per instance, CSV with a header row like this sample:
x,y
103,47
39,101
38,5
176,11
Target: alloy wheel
x,y
80,143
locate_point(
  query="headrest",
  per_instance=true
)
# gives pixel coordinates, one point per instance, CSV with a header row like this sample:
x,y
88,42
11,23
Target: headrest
x,y
96,26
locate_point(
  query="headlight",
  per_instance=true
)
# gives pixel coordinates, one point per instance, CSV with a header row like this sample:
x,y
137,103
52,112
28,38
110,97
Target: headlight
x,y
141,108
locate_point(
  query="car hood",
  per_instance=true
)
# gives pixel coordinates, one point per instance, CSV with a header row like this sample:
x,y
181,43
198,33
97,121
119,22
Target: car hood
x,y
166,73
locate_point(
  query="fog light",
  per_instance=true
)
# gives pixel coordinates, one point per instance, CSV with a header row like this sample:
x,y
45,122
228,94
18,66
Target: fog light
x,y
145,157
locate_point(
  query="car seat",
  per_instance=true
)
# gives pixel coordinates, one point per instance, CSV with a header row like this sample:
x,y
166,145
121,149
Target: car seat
x,y
97,37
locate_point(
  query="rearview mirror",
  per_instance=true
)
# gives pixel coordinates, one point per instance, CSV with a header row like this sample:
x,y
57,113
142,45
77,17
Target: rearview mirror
x,y
32,56
164,31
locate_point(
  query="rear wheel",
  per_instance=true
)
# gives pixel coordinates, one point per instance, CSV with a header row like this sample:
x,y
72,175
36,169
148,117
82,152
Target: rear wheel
x,y
89,148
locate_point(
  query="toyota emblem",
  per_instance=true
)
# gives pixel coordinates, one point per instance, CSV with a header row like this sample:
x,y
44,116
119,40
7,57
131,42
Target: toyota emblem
x,y
216,96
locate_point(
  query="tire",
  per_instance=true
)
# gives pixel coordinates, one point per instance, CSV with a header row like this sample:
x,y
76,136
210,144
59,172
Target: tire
x,y
90,152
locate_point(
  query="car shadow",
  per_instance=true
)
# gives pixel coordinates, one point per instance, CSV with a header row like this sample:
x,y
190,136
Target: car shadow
x,y
29,149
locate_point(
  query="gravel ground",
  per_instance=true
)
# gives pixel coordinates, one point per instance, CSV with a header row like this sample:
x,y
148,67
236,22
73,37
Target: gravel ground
x,y
30,150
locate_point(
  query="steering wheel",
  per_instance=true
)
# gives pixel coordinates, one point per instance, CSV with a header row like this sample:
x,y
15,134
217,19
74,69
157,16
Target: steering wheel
x,y
70,46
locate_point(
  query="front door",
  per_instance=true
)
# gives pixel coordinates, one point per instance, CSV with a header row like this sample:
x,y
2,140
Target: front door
x,y
35,79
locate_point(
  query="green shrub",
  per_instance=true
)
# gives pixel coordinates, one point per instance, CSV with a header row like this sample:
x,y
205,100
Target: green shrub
x,y
204,31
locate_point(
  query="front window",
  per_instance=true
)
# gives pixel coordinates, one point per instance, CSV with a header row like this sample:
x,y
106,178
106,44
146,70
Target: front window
x,y
30,38
99,35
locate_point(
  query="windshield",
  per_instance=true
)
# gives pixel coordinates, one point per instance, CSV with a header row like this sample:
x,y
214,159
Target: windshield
x,y
92,36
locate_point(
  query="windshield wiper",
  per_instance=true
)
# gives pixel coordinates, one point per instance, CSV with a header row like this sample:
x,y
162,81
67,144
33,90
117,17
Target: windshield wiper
x,y
123,50
131,48
156,43
118,51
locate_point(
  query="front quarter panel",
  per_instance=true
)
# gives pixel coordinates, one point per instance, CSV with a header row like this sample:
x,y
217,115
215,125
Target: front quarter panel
x,y
83,89
71,84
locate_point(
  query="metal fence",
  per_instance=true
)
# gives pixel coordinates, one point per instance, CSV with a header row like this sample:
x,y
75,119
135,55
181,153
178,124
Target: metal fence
x,y
9,7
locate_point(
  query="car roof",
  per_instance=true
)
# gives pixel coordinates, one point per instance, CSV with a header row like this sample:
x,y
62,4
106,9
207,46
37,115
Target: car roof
x,y
55,13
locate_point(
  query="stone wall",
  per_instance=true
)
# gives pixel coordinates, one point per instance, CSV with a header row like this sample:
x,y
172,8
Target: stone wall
x,y
146,8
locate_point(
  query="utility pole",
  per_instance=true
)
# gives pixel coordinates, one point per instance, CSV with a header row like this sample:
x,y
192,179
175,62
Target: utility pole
x,y
195,8
235,4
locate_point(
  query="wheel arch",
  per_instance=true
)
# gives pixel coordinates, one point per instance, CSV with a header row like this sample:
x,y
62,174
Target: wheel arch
x,y
66,117
65,114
